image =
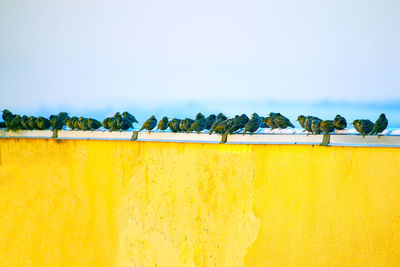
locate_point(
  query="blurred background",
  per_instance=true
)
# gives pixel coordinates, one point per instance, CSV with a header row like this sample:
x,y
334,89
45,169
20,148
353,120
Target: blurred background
x,y
177,58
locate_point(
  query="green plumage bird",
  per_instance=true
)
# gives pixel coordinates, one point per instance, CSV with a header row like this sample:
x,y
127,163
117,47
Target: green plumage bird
x,y
42,123
239,122
187,123
315,126
71,122
209,121
270,122
57,122
327,126
308,123
199,124
25,123
32,121
302,119
364,127
163,124
129,117
93,124
174,125
340,123
281,121
221,127
253,124
149,124
380,125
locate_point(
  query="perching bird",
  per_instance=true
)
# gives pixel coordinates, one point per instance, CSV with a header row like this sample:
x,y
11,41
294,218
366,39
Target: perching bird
x,y
239,122
32,123
302,119
315,126
364,127
43,123
83,124
25,123
263,124
199,124
339,122
253,124
71,123
187,123
149,124
380,125
221,127
15,123
93,124
7,115
129,116
57,122
308,123
281,121
163,124
105,123
209,121
270,122
327,126
123,123
174,125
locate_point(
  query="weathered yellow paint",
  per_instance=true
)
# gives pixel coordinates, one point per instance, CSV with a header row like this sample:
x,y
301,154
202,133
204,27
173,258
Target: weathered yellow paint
x,y
121,203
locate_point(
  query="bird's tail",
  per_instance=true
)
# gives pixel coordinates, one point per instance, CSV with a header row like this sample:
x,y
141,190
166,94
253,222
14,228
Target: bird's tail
x,y
141,129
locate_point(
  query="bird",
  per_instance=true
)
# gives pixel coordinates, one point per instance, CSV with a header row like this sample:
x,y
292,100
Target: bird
x,y
163,124
270,122
380,125
308,123
239,122
281,121
174,125
15,123
315,126
327,126
105,123
123,123
340,123
83,124
43,123
302,119
7,115
199,124
263,124
32,123
221,127
57,122
149,124
187,123
71,122
93,124
364,127
25,123
129,116
253,124
209,121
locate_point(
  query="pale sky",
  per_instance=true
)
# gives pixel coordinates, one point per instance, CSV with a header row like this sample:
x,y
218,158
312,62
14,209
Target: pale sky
x,y
96,54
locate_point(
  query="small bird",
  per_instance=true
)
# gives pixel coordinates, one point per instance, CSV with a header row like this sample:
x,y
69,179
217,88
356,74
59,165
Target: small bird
x,y
25,123
199,124
209,121
308,123
263,124
270,122
15,123
340,123
32,123
42,123
7,115
71,122
327,126
129,116
149,124
281,121
93,124
174,125
163,124
221,127
57,122
253,124
83,124
187,123
364,127
239,122
105,123
315,126
302,119
380,125
123,123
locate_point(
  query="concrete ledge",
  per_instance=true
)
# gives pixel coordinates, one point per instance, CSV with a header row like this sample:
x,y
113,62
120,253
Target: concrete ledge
x,y
262,137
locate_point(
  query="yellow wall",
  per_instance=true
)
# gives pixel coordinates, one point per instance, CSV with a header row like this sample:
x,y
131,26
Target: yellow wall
x,y
121,203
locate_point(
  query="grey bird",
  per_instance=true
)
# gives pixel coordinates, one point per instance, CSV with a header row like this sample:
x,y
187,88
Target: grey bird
x,y
380,125
199,124
327,126
149,124
163,124
315,126
364,127
340,123
209,121
253,124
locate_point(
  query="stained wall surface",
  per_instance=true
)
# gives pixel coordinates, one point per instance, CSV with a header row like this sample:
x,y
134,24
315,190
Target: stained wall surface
x,y
124,203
